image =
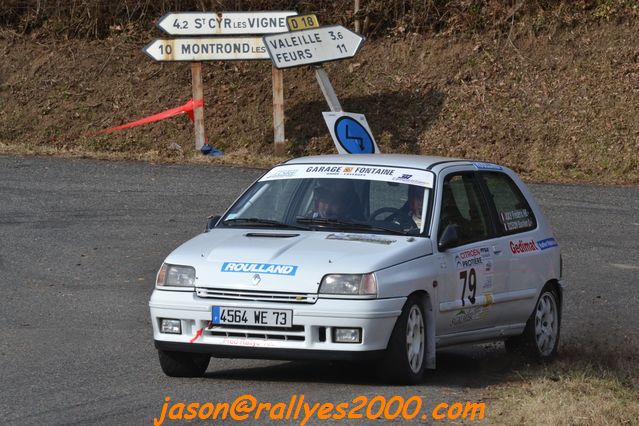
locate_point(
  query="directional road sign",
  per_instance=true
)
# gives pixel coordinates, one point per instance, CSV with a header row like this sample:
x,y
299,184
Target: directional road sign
x,y
207,49
224,23
312,46
351,133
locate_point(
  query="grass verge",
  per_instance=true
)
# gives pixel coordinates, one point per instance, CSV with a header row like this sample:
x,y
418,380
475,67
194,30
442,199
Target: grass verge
x,y
242,157
593,385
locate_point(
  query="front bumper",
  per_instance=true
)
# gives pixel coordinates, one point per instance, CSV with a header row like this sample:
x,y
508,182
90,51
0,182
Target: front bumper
x,y
309,338
223,351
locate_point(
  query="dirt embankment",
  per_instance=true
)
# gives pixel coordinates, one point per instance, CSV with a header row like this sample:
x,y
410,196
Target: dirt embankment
x,y
560,106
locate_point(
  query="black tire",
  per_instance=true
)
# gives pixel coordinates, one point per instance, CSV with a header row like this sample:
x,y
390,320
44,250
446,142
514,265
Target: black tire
x,y
536,342
399,365
181,364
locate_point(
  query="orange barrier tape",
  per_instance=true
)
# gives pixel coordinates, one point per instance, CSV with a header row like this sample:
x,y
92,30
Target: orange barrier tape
x,y
186,108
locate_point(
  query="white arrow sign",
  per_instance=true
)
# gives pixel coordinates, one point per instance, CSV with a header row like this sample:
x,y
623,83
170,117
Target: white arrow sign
x,y
312,46
224,23
207,49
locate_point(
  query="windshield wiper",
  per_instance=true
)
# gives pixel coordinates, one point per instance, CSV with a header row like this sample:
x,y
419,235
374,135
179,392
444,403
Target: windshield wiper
x,y
260,222
346,225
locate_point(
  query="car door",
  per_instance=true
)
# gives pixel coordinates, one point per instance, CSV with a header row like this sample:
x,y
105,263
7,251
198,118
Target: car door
x,y
472,269
518,229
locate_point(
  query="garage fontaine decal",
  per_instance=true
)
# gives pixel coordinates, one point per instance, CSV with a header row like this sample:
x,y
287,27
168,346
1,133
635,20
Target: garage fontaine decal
x,y
351,171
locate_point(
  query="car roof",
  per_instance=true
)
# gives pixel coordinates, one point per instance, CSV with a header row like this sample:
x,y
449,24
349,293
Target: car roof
x,y
394,160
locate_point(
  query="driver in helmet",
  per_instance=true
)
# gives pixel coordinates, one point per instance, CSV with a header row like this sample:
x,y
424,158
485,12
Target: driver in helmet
x,y
409,216
330,202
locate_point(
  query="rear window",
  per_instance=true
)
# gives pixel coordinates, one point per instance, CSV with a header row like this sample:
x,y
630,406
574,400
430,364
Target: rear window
x,y
513,211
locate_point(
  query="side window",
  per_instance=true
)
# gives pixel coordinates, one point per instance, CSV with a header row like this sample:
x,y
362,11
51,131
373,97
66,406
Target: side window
x,y
462,205
513,211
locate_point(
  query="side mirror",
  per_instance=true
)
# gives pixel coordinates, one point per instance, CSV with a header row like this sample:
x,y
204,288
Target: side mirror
x,y
211,221
449,238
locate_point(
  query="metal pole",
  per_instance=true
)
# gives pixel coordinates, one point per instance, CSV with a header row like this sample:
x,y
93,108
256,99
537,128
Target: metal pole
x,y
278,111
327,89
198,113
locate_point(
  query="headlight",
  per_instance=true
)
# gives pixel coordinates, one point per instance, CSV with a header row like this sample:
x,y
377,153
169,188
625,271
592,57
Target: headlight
x,y
175,276
349,284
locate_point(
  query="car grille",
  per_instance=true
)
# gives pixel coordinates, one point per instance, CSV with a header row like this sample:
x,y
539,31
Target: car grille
x,y
294,333
256,296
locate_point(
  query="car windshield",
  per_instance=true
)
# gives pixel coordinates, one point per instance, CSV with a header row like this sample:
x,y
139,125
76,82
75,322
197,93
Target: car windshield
x,y
310,201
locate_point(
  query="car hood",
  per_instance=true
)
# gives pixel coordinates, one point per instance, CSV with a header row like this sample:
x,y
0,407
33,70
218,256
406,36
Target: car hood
x,y
289,261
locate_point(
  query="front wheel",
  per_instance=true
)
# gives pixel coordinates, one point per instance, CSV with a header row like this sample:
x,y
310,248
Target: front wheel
x,y
540,338
180,364
403,362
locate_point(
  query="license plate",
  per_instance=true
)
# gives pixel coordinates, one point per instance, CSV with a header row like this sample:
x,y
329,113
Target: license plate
x,y
253,317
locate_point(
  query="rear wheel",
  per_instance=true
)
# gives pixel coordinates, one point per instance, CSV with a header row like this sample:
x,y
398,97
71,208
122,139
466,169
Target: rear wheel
x,y
181,364
403,362
540,338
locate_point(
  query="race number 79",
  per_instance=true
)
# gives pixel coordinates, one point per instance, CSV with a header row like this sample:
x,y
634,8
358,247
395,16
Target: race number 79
x,y
469,279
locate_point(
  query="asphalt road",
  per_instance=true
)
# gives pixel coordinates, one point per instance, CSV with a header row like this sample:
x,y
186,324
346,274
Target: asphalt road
x,y
80,243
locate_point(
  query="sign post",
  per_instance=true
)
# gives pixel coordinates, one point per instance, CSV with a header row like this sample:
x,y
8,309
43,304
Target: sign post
x,y
355,10
278,110
309,44
313,46
198,113
309,22
211,43
327,89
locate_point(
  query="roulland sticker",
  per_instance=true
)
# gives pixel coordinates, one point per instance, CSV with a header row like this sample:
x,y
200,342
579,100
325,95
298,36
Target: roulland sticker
x,y
259,268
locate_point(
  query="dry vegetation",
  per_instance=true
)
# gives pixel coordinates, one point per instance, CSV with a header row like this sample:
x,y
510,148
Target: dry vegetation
x,y
549,87
585,386
98,18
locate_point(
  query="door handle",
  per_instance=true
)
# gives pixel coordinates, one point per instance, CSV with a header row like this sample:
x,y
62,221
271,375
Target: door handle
x,y
496,250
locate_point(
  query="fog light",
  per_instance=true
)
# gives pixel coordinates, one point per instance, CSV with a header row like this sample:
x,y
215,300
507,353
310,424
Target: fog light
x,y
171,326
347,335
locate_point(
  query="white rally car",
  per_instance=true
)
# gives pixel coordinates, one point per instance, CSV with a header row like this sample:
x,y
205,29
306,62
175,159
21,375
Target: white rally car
x,y
349,257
